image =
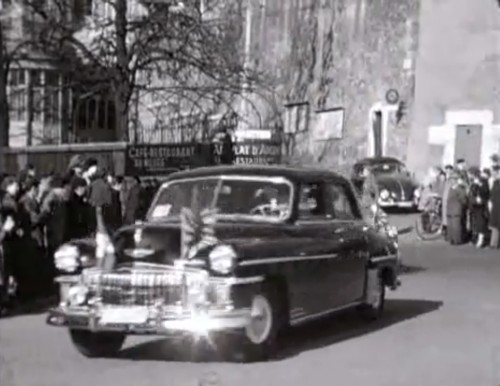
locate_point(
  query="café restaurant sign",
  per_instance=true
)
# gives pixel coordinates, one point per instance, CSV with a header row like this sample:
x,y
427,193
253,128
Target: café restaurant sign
x,y
151,159
253,152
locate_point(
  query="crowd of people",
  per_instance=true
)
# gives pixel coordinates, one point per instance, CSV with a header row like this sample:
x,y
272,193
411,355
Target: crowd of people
x,y
469,199
39,214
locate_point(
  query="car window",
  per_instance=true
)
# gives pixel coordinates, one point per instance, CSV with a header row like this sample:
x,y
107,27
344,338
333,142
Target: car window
x,y
311,203
339,203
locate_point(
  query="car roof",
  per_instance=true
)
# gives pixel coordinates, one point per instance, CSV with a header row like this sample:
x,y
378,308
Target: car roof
x,y
376,160
291,172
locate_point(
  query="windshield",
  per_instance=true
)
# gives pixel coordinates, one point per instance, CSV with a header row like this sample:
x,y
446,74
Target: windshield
x,y
254,198
382,168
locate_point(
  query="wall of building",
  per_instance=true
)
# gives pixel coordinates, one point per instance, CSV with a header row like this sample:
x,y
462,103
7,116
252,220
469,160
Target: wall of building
x,y
338,53
458,74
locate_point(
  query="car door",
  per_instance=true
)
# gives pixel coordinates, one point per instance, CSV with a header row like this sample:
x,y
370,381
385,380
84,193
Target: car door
x,y
316,268
348,233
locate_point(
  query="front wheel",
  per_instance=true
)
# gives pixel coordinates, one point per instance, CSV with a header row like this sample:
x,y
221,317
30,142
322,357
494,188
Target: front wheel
x,y
97,344
259,340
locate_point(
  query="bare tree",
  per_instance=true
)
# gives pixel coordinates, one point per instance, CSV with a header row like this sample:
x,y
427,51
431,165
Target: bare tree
x,y
12,45
166,49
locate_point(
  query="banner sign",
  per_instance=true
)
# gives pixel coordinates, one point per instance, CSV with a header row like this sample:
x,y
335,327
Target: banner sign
x,y
253,152
158,159
146,160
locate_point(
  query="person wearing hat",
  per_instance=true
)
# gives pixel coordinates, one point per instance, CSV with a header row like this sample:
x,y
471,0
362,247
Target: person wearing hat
x,y
479,195
456,210
462,171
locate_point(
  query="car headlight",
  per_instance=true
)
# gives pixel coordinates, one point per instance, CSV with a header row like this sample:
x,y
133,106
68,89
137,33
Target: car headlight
x,y
416,193
66,258
104,246
222,259
392,231
384,194
77,295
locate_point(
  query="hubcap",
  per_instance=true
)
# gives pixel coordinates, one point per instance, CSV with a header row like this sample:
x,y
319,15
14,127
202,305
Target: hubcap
x,y
261,320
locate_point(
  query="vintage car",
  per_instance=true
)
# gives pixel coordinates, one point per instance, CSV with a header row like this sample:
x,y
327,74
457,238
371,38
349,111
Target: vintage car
x,y
397,187
237,253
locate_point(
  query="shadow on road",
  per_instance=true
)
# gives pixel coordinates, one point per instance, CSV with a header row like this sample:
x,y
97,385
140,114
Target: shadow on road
x,y
411,269
348,326
35,307
313,336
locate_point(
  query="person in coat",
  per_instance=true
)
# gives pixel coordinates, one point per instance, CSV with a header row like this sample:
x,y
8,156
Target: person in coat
x,y
36,264
494,207
7,225
78,211
132,201
478,207
12,242
456,210
462,171
444,209
54,215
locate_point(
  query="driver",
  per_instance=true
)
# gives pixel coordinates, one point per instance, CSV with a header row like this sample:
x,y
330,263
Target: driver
x,y
260,198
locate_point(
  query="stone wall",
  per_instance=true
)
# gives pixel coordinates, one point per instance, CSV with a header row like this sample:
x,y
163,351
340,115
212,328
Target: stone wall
x,y
338,53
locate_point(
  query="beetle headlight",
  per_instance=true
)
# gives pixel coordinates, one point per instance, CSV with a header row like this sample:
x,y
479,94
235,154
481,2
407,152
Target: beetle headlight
x,y
384,194
416,193
66,258
222,259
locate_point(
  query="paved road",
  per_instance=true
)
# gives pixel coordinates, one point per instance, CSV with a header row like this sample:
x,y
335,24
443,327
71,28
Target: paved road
x,y
440,328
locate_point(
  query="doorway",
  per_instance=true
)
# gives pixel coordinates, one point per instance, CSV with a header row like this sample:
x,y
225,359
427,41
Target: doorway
x,y
377,134
468,143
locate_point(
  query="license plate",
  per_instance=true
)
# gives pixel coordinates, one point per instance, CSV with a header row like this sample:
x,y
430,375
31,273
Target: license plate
x,y
128,315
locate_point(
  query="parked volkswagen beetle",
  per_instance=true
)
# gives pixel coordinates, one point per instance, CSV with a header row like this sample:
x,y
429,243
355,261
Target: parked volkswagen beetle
x,y
236,252
396,185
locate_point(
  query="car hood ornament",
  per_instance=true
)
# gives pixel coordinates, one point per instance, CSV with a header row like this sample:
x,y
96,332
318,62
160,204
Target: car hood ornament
x,y
138,253
138,233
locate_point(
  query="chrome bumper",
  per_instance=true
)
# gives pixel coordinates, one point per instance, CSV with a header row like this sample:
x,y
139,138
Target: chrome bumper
x,y
396,204
159,322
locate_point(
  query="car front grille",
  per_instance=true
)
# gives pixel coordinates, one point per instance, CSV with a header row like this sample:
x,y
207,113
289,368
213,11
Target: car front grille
x,y
137,288
147,288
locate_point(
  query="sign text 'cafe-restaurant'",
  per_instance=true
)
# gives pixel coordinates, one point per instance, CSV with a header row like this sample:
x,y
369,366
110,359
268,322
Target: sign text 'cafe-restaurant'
x,y
147,159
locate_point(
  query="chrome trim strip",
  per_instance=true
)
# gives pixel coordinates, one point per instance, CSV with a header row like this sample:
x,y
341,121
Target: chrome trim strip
x,y
277,260
379,259
138,253
303,319
239,280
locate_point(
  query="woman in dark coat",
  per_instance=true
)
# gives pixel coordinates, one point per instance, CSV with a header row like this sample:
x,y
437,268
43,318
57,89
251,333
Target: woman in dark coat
x,y
78,211
479,194
495,208
13,246
456,211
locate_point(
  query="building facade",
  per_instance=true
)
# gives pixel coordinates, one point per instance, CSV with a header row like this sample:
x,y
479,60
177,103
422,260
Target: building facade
x,y
333,62
457,111
345,79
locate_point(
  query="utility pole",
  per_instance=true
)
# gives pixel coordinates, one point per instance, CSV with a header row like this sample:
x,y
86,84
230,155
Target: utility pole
x,y
244,103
